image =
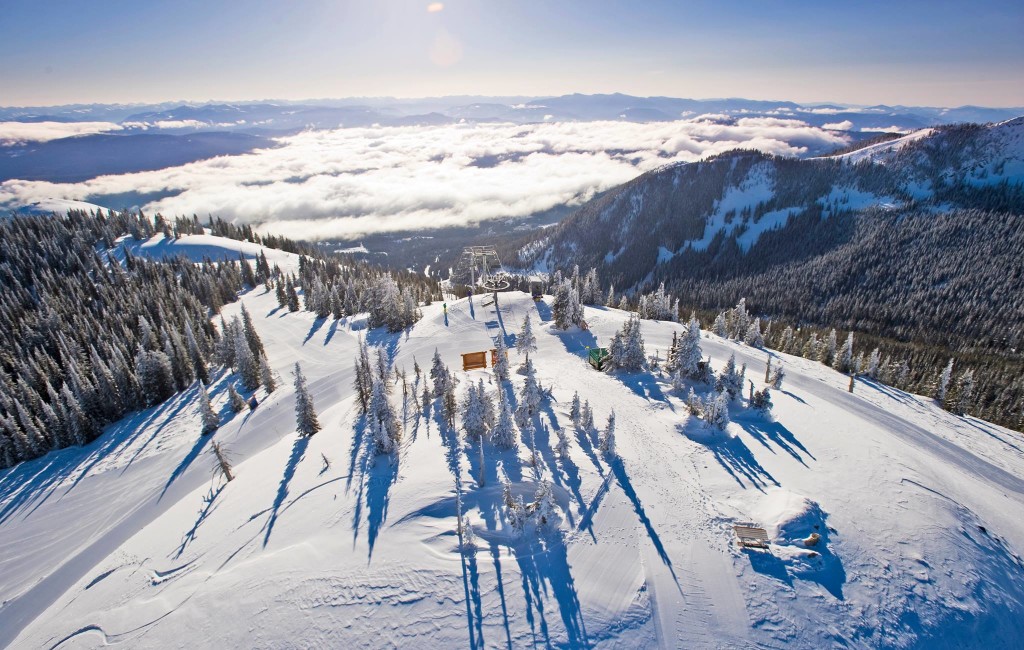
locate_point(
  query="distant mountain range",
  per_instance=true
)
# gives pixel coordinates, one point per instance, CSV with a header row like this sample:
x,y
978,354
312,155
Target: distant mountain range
x,y
279,117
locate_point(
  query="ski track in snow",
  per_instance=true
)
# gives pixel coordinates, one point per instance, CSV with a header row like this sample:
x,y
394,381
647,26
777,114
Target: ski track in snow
x,y
366,552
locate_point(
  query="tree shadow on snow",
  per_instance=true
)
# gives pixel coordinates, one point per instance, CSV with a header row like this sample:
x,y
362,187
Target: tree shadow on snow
x,y
576,341
197,449
205,511
543,311
332,331
314,328
298,451
619,471
545,572
794,396
643,384
731,453
389,341
474,602
764,431
382,474
889,391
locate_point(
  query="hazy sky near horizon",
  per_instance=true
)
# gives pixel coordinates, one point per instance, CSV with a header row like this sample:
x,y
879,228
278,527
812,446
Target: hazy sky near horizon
x,y
937,52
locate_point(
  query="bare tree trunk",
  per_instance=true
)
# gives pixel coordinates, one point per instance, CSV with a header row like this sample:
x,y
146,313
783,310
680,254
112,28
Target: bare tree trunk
x,y
222,461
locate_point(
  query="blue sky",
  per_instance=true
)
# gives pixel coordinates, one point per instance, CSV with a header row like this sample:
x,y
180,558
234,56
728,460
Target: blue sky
x,y
908,52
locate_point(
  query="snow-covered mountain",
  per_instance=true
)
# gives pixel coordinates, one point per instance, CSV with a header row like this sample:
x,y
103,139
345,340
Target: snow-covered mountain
x,y
320,543
800,237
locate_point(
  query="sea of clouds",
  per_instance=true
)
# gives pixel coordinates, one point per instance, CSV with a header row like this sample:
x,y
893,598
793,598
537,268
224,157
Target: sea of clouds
x,y
346,183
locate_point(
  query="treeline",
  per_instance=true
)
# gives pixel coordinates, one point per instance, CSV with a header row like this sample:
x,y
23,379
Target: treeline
x,y
995,379
331,288
179,226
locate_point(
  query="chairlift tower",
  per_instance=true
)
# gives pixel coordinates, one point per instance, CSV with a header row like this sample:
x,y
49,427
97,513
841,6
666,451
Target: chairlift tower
x,y
481,266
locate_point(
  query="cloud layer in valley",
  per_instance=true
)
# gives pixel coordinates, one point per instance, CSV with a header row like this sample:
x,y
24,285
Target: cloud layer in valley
x,y
12,133
346,183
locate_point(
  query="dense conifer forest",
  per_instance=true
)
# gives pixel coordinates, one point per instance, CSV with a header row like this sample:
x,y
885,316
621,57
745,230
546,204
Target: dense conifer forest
x,y
90,332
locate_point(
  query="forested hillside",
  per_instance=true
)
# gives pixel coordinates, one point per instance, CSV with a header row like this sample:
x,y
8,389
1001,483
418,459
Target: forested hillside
x,y
90,331
914,243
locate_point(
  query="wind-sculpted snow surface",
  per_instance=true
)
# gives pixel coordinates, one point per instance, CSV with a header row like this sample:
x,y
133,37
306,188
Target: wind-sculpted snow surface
x,y
892,523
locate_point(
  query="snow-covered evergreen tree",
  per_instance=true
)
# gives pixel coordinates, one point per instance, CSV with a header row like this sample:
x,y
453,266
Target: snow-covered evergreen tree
x,y
196,354
777,375
672,355
251,337
720,327
487,404
306,422
156,377
574,409
608,435
810,349
843,362
363,377
752,336
827,353
693,403
942,387
235,401
473,420
786,342
964,392
206,412
449,404
730,380
38,444
385,429
245,363
545,509
716,410
267,376
562,446
526,341
689,353
587,418
739,320
501,370
504,435
293,296
761,401
426,398
626,351
902,374
439,375
874,364
529,396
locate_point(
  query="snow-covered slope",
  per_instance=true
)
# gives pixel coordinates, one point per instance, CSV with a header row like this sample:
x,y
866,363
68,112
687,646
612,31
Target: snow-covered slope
x,y
972,154
60,206
317,543
200,247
